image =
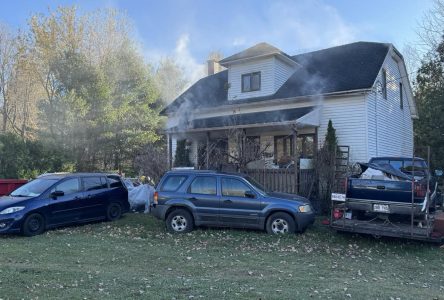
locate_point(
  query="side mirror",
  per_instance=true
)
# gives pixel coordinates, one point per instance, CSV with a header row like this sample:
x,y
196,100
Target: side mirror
x,y
56,194
250,194
438,173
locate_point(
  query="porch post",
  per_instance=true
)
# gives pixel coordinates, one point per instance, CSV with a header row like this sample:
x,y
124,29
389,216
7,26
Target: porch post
x,y
207,158
295,158
170,151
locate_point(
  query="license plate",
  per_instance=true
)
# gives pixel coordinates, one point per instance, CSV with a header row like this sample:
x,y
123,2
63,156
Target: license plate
x,y
338,197
381,208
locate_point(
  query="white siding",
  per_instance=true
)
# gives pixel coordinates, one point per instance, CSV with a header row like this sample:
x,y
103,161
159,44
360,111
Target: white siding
x,y
348,118
265,66
282,72
390,128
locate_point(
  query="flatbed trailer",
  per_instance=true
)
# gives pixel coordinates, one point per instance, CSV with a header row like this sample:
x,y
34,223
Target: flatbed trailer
x,y
382,225
379,228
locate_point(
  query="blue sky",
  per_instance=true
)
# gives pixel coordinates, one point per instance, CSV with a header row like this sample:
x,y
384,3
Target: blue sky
x,y
190,29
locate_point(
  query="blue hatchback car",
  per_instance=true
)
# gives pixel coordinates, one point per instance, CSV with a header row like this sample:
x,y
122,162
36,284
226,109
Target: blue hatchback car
x,y
53,200
188,198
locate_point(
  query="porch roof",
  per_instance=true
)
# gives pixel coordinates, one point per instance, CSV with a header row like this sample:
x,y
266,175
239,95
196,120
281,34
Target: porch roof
x,y
293,116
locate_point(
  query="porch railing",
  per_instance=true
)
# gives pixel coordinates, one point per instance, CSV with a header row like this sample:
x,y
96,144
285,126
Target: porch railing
x,y
283,180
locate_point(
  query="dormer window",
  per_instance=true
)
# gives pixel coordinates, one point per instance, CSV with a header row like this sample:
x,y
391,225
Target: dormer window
x,y
251,82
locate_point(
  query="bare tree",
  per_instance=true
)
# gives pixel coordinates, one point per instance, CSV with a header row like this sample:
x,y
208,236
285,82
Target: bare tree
x,y
152,162
8,56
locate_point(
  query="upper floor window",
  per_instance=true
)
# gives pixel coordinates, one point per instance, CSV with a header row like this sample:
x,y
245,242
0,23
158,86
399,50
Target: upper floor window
x,y
401,100
251,82
384,83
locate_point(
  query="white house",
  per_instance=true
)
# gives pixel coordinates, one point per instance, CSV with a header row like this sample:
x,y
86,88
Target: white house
x,y
277,98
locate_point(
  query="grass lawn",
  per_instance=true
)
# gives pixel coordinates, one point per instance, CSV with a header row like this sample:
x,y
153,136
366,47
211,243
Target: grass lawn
x,y
136,258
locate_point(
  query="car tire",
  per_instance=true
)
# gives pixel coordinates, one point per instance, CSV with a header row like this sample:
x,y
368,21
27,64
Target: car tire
x,y
179,221
280,223
34,224
113,211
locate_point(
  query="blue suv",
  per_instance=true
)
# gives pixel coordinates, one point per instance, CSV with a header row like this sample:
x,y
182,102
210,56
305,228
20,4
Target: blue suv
x,y
188,198
53,200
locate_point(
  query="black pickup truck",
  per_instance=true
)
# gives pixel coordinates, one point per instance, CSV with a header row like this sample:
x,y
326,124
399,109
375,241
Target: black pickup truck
x,y
388,186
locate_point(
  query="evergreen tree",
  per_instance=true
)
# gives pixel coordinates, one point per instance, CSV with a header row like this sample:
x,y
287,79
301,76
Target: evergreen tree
x,y
182,158
429,94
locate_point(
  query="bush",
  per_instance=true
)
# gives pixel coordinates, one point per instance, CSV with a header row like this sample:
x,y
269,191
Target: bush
x,y
27,159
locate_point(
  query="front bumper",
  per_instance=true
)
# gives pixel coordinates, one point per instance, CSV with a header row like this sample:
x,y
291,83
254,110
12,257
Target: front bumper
x,y
10,224
304,220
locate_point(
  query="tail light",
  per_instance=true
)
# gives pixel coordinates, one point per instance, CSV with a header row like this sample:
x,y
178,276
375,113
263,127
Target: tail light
x,y
156,197
420,190
337,214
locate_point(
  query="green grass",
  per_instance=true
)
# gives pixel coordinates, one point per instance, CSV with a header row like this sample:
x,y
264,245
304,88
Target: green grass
x,y
136,258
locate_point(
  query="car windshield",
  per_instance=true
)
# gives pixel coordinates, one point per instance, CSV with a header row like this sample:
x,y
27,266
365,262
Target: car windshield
x,y
256,184
34,188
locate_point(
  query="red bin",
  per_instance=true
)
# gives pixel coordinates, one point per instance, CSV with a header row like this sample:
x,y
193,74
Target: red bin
x,y
9,185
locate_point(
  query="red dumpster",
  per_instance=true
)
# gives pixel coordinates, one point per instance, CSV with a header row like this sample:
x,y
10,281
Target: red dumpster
x,y
9,185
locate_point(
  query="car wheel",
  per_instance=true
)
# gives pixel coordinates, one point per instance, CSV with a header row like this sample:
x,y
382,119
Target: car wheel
x,y
280,223
34,225
179,221
113,211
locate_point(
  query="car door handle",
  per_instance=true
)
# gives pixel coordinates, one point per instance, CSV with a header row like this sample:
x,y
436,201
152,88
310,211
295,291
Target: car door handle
x,y
380,187
228,201
192,199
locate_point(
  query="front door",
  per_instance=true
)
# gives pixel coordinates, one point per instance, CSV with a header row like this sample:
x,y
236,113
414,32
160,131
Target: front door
x,y
202,193
238,207
67,208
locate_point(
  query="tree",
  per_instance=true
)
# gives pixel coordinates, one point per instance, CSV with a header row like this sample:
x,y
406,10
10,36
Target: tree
x,y
8,56
429,94
169,79
182,157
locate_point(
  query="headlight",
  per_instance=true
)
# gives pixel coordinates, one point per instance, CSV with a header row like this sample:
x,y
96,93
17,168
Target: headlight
x,y
305,208
11,210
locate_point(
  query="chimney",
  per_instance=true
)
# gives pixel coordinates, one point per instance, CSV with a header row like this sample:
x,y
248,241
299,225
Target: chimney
x,y
213,66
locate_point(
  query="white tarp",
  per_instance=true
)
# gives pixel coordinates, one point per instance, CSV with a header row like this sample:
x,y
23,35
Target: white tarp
x,y
141,196
377,175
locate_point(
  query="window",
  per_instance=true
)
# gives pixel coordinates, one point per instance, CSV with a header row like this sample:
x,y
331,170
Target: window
x,y
283,149
251,82
172,183
384,83
68,187
204,185
401,100
94,183
234,187
114,181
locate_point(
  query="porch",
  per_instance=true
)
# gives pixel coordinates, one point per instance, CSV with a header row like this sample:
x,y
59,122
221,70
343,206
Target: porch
x,y
277,150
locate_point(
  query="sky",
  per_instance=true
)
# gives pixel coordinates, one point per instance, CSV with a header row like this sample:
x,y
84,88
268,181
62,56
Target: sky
x,y
189,30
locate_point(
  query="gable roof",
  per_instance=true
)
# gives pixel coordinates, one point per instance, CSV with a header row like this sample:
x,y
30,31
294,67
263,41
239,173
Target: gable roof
x,y
338,69
261,49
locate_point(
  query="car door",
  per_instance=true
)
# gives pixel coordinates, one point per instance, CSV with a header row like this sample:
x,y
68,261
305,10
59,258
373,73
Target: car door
x,y
202,192
96,197
67,207
240,205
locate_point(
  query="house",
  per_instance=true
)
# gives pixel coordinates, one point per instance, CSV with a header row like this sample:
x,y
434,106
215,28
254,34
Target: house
x,y
283,104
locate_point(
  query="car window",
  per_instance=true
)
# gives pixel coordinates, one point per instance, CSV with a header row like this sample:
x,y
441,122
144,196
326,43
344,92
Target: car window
x,y
93,183
114,181
68,187
34,188
172,183
234,187
203,185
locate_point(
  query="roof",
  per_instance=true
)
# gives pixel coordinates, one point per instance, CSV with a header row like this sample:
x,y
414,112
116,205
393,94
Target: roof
x,y
64,175
261,49
338,69
265,117
200,172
